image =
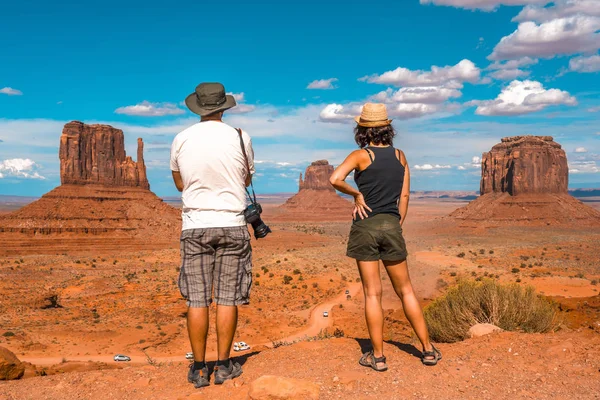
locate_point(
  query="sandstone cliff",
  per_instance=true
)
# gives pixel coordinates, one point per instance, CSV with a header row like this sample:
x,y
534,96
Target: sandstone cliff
x,y
95,154
525,164
317,176
524,180
316,198
104,194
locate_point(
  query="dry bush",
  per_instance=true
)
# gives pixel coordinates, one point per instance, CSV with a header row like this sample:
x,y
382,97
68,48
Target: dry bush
x,y
510,307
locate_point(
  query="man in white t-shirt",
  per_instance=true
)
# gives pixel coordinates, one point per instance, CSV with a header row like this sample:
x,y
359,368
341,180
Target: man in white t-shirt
x,y
211,171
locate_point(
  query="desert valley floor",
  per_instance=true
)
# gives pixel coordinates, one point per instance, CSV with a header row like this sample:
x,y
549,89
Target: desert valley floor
x,y
68,304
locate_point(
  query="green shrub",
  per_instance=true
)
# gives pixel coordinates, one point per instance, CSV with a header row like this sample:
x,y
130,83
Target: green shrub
x,y
297,272
8,334
511,307
287,279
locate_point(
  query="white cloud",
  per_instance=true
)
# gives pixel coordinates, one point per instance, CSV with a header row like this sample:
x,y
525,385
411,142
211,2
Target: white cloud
x,y
583,167
522,97
449,76
511,69
569,35
560,9
580,150
148,109
427,167
509,74
20,168
339,113
512,64
585,64
593,109
241,107
10,91
322,84
425,95
485,5
461,168
239,97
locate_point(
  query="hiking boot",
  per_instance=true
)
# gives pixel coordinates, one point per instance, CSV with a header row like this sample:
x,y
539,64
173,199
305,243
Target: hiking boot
x,y
224,373
199,378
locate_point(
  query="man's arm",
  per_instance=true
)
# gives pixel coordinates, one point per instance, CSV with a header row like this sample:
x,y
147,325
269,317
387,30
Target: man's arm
x,y
250,155
175,166
178,181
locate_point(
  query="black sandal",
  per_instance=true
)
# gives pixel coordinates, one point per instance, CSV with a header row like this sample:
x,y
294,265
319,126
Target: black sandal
x,y
364,361
436,354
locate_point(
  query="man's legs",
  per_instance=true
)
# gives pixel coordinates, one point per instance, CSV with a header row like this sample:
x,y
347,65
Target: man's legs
x,y
226,325
197,324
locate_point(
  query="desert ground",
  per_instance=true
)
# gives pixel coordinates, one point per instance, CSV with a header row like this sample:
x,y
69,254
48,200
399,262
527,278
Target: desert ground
x,y
69,304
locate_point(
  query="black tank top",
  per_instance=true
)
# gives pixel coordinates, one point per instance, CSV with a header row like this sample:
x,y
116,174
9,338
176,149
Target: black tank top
x,y
381,182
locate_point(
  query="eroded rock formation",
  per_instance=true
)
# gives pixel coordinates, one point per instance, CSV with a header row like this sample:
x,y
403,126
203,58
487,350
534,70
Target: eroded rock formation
x,y
104,193
316,198
524,180
316,177
95,154
525,164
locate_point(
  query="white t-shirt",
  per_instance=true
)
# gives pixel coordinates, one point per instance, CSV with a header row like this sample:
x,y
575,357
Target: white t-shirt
x,y
209,157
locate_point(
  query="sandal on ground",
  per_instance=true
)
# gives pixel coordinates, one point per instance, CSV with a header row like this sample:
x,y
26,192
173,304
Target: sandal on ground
x,y
431,357
369,360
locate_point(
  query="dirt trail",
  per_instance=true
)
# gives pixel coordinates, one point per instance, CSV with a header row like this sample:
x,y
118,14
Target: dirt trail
x,y
317,322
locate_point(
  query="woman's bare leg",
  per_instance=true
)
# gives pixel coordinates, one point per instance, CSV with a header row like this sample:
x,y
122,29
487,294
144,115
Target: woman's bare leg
x,y
398,273
371,281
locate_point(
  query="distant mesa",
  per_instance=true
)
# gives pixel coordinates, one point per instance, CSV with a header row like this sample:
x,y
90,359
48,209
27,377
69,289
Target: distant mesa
x,y
524,180
316,198
95,154
316,177
103,192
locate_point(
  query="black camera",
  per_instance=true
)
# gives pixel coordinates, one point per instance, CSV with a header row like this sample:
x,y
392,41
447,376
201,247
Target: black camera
x,y
252,215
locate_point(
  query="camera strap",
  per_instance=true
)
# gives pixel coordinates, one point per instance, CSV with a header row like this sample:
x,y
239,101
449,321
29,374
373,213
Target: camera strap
x,y
253,197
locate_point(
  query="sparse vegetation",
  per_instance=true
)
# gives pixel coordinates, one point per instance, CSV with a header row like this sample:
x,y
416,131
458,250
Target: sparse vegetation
x,y
515,270
511,307
8,334
461,254
287,279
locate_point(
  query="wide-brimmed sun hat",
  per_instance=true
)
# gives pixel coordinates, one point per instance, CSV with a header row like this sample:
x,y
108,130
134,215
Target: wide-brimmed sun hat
x,y
209,98
373,115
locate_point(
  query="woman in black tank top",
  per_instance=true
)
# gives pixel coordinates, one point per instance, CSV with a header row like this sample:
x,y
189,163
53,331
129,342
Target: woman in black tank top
x,y
380,206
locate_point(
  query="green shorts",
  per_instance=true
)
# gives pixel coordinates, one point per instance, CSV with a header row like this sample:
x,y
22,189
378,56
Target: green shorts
x,y
377,238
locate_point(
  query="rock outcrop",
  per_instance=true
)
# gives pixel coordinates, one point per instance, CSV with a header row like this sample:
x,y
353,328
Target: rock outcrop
x,y
95,154
525,164
10,366
524,180
316,198
103,193
316,177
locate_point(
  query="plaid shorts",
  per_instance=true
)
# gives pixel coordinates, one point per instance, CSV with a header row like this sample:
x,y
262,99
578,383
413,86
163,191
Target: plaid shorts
x,y
219,257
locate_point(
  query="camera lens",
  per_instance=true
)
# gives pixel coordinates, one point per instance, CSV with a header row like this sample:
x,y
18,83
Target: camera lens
x,y
261,230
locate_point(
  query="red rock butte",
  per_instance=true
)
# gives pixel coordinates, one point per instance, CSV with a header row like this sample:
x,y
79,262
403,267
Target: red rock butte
x,y
316,198
95,154
524,180
104,195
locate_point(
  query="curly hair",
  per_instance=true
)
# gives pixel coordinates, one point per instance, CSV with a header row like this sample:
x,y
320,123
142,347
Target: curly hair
x,y
382,135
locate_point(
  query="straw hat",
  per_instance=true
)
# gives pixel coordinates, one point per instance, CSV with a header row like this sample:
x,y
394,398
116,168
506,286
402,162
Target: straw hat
x,y
373,115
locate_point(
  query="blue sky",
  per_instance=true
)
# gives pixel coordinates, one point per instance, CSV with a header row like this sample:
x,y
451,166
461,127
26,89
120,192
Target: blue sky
x,y
456,75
